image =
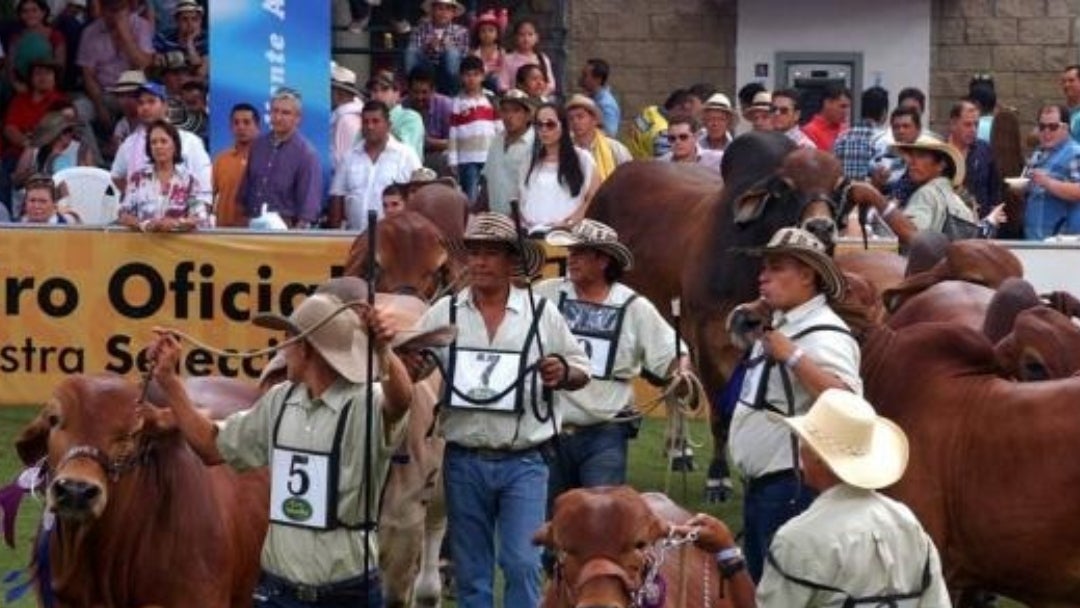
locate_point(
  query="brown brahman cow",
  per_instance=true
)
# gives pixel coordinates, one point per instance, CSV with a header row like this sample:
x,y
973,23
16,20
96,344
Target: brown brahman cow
x,y
607,542
134,518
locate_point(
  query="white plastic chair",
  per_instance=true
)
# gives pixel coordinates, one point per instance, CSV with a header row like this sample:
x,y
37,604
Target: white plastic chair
x,y
91,194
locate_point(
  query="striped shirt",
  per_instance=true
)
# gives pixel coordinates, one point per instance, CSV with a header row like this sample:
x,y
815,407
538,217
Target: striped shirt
x,y
474,122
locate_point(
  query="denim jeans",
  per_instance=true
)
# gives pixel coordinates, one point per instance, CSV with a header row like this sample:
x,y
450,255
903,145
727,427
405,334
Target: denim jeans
x,y
469,177
491,498
592,456
766,507
365,593
446,67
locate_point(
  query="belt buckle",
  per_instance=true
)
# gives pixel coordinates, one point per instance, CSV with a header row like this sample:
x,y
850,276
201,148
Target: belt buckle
x,y
306,593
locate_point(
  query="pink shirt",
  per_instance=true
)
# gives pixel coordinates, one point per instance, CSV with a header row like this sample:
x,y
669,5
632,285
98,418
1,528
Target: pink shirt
x,y
513,61
106,62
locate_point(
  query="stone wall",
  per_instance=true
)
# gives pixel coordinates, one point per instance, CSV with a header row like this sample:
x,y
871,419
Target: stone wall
x,y
653,47
1023,44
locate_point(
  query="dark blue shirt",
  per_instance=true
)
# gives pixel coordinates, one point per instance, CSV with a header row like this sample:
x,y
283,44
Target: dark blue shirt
x,y
982,180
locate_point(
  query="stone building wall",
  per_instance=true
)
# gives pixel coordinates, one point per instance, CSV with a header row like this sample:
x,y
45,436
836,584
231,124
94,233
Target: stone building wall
x,y
1023,44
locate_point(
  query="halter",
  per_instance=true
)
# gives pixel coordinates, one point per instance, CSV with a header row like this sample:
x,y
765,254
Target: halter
x,y
652,590
114,467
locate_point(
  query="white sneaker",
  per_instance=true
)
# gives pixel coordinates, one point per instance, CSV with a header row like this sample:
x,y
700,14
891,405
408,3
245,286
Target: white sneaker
x,y
402,26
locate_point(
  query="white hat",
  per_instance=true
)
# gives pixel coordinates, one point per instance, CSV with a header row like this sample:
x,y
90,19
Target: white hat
x,y
719,101
459,8
762,102
339,336
343,78
593,235
860,447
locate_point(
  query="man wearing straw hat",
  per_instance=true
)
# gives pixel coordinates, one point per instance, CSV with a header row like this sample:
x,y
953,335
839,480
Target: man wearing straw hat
x,y
345,119
509,346
800,348
853,546
622,334
510,152
585,120
312,432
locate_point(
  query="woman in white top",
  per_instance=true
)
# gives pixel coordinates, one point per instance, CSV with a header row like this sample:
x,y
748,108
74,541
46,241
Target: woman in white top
x,y
560,180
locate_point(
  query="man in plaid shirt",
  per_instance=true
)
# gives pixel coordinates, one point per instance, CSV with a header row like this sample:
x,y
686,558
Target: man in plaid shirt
x,y
439,44
857,146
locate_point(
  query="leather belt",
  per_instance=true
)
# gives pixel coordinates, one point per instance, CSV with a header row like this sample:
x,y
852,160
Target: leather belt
x,y
340,591
491,453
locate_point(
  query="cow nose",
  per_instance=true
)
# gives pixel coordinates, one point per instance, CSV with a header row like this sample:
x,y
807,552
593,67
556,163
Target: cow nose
x,y
823,228
74,494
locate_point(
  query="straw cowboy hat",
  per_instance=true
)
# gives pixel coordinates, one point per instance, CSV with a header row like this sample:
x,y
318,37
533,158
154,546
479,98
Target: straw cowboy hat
x,y
762,102
954,161
130,81
519,97
497,228
459,8
592,234
340,338
424,176
344,79
720,102
585,103
860,447
50,128
806,248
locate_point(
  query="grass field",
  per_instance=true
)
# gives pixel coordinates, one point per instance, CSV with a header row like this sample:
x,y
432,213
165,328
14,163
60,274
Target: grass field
x,y
648,472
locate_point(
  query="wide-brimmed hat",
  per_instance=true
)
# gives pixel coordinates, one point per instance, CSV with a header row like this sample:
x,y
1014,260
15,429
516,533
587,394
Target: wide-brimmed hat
x,y
184,6
953,159
344,79
762,102
459,8
806,248
586,103
519,97
49,128
425,176
497,228
129,82
340,337
862,448
719,101
594,235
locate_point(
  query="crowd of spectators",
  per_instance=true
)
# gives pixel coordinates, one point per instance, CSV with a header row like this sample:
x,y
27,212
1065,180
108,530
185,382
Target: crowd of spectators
x,y
86,79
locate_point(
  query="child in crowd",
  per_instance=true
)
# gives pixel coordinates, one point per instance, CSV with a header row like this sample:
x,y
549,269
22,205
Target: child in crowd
x,y
393,200
484,43
439,43
525,43
530,78
473,126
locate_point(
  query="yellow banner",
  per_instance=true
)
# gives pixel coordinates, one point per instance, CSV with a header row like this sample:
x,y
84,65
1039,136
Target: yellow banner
x,y
84,301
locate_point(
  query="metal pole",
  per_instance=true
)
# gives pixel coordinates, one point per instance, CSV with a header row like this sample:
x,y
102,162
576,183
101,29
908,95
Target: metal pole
x,y
369,473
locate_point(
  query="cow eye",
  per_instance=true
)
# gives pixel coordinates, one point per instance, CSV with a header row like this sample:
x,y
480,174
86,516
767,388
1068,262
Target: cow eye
x,y
53,420
641,545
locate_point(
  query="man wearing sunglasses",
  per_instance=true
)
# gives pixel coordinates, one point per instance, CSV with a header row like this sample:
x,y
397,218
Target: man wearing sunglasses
x,y
685,148
1054,191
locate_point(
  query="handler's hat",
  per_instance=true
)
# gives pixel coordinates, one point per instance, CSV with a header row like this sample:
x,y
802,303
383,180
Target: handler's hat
x,y
954,161
806,248
862,448
336,332
497,228
594,235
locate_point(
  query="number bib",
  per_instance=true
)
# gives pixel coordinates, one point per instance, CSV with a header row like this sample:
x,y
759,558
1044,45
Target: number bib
x,y
597,328
486,380
300,492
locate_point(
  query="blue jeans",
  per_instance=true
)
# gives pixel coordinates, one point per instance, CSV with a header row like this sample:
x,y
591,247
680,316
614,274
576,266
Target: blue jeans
x,y
361,592
491,497
767,506
592,456
446,68
469,177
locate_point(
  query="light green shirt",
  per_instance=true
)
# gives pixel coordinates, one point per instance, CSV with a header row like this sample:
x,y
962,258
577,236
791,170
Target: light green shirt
x,y
502,430
645,340
927,206
505,165
408,127
301,555
857,540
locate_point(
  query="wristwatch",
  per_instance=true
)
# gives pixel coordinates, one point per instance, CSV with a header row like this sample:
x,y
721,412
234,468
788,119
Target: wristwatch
x,y
731,562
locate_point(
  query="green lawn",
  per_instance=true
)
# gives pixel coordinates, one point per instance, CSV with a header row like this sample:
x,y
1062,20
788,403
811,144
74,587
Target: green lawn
x,y
648,472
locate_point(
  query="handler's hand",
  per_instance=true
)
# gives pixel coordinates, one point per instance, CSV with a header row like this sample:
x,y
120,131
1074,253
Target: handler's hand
x,y
380,329
713,535
164,354
777,346
553,372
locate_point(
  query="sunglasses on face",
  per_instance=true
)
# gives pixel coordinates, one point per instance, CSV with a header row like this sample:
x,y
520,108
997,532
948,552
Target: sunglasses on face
x,y
781,110
680,136
546,125
1051,126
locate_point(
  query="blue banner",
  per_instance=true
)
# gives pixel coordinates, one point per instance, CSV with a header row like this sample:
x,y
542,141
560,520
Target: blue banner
x,y
257,46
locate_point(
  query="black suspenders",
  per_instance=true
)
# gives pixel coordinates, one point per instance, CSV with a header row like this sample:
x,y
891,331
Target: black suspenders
x,y
890,600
